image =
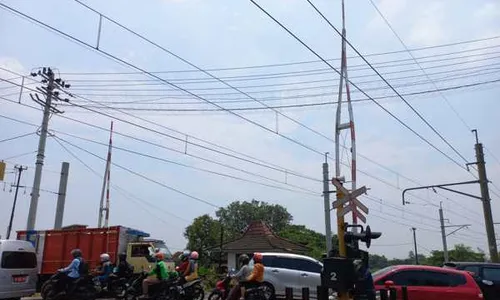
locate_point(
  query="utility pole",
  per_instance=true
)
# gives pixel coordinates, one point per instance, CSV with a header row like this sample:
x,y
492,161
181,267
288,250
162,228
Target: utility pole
x,y
61,198
104,205
50,92
415,243
326,197
443,234
20,170
485,195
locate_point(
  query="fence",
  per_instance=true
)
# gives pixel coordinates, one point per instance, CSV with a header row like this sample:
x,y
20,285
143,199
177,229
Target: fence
x,y
322,294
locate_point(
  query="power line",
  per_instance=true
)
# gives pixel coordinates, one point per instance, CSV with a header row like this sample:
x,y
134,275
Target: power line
x,y
353,84
361,171
419,65
268,76
458,87
119,189
17,137
18,155
388,84
219,80
188,140
304,191
142,176
482,71
293,63
105,129
113,57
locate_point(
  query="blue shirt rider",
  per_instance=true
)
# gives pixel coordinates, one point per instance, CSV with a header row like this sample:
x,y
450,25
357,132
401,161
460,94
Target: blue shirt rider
x,y
106,268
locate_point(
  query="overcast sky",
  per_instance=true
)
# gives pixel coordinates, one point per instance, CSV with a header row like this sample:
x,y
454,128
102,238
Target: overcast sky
x,y
221,34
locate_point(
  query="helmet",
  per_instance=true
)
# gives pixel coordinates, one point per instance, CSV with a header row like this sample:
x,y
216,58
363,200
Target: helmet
x,y
76,253
160,256
194,255
244,259
122,256
105,257
257,257
185,255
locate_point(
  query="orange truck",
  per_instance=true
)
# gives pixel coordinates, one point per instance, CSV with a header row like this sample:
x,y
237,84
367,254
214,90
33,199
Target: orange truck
x,y
53,247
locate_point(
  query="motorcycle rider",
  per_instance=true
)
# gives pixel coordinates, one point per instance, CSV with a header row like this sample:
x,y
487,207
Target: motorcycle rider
x,y
105,269
160,271
191,272
241,276
184,261
72,272
256,277
124,269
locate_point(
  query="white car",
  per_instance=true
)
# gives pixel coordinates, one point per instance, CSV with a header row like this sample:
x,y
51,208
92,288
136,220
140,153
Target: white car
x,y
282,270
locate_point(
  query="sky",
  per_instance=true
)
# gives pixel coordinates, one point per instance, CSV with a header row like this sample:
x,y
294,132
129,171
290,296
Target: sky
x,y
174,181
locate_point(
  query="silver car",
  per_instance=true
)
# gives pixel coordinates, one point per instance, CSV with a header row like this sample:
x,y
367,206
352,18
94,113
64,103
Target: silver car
x,y
295,271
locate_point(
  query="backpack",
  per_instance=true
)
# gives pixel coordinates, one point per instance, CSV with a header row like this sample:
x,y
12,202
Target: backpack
x,y
83,268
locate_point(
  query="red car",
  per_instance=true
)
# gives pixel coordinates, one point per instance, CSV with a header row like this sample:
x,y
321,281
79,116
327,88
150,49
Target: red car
x,y
428,283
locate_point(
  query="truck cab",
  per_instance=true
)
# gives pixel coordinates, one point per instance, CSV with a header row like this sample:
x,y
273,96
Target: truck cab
x,y
141,254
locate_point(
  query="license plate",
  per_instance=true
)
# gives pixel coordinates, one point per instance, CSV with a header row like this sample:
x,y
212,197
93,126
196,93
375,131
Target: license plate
x,y
19,279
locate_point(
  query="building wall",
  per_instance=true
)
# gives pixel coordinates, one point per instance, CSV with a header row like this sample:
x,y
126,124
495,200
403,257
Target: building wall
x,y
231,261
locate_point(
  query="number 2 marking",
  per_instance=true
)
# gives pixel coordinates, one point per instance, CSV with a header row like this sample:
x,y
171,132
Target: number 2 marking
x,y
333,276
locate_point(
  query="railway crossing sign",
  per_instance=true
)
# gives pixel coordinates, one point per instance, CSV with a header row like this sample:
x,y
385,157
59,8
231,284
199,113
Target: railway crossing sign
x,y
350,198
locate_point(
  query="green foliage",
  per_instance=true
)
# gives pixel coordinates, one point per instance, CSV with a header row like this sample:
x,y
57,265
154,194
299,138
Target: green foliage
x,y
203,234
460,253
314,240
237,215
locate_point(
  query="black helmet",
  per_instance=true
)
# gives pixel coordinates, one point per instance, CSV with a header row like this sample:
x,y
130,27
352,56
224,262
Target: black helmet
x,y
76,253
244,259
122,256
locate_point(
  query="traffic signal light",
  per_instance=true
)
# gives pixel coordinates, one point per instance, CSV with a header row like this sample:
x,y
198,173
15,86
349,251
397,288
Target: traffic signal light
x,y
366,235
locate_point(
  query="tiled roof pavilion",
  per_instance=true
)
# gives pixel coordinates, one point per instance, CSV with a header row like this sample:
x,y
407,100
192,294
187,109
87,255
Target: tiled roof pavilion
x,y
258,237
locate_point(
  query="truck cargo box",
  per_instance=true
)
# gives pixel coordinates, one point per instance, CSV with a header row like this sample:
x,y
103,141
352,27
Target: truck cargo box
x,y
53,247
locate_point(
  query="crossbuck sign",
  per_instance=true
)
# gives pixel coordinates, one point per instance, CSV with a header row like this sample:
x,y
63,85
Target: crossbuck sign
x,y
351,199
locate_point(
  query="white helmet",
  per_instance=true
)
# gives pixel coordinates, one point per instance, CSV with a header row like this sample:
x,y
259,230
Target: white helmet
x,y
105,257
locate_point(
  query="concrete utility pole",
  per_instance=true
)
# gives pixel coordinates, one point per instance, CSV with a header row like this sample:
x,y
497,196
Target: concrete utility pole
x,y
20,170
326,197
61,198
50,93
443,234
104,205
485,195
415,243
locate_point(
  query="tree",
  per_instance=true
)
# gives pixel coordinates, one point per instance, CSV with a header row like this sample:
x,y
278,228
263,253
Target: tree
x,y
203,234
237,215
378,262
459,253
314,240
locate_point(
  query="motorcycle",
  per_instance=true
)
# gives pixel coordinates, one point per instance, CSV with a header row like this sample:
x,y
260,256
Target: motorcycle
x,y
222,288
116,287
189,291
256,293
81,289
160,291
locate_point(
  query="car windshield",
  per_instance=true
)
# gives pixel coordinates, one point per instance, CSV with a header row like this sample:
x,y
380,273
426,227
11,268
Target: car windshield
x,y
162,247
382,272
